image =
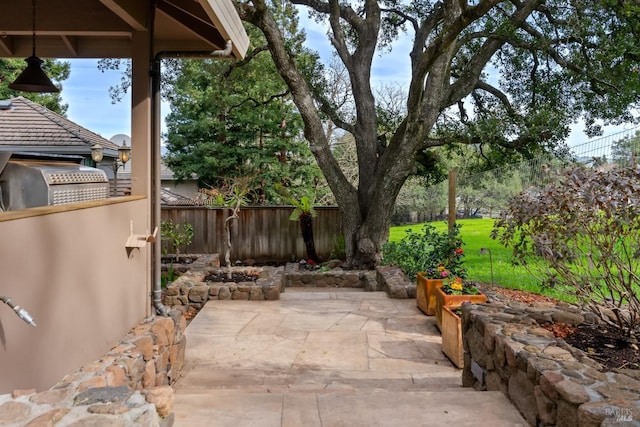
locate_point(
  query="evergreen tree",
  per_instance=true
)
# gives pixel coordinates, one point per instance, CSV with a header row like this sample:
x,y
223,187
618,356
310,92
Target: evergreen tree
x,y
57,71
236,119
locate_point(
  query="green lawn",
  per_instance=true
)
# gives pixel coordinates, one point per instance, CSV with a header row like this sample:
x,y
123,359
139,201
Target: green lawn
x,y
476,233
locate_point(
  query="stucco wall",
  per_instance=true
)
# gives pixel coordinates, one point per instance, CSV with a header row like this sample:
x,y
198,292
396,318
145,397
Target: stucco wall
x,y
71,271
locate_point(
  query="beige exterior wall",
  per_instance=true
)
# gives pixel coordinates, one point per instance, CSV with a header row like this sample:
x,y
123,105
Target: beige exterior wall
x,y
70,270
67,266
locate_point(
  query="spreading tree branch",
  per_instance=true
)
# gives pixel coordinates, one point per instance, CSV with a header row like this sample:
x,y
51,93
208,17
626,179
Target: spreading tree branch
x,y
258,102
248,57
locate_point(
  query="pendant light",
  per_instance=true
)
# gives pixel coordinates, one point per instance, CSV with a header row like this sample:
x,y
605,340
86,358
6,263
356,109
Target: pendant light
x,y
33,78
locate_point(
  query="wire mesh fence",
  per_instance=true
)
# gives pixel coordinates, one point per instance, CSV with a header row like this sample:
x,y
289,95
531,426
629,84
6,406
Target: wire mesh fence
x,y
486,194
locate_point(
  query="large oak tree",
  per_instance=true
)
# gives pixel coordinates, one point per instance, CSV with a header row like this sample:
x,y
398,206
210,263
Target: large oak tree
x,y
504,76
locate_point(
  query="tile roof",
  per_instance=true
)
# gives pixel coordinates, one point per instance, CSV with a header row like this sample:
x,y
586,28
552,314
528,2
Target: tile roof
x,y
170,198
25,124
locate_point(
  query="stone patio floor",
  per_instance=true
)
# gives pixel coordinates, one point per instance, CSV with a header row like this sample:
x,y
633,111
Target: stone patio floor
x,y
325,357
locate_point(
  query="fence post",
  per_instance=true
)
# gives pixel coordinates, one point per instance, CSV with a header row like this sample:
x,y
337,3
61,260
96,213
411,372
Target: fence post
x,y
452,199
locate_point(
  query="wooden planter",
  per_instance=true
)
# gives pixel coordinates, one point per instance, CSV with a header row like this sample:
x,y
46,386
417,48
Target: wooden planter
x,y
426,293
444,300
452,336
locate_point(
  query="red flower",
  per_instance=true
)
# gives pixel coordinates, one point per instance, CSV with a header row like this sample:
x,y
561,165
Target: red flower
x,y
459,251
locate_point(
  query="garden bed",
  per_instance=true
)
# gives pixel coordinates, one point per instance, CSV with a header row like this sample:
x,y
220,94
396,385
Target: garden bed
x,y
550,381
603,343
203,279
235,276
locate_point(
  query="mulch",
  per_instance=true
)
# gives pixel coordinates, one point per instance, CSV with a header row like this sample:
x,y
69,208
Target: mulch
x,y
603,343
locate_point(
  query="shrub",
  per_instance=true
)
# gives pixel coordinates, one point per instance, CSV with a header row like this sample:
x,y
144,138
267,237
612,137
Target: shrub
x,y
422,252
175,236
580,233
168,277
338,247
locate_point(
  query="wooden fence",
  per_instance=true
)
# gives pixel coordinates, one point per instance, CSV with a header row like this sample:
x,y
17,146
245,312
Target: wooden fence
x,y
261,233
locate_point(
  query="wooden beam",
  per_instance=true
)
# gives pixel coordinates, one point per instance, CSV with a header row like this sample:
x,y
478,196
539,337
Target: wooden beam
x,y
6,45
225,18
134,13
72,44
202,29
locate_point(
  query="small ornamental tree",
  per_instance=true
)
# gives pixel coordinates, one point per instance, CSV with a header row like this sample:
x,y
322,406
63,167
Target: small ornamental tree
x,y
304,213
175,236
581,234
233,196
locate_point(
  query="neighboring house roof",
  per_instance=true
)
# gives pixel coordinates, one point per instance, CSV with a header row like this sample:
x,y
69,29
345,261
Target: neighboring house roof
x,y
26,126
170,198
166,174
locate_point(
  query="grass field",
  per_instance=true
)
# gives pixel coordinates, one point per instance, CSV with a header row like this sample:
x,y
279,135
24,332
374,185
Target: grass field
x,y
476,234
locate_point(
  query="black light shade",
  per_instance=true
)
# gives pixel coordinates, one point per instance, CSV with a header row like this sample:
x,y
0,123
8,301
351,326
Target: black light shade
x,y
33,78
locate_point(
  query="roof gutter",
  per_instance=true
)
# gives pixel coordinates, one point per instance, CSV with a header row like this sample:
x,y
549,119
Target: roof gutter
x,y
222,53
156,221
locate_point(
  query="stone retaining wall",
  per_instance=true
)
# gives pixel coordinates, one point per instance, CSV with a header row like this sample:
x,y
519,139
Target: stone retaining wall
x,y
190,291
550,382
130,385
297,276
395,282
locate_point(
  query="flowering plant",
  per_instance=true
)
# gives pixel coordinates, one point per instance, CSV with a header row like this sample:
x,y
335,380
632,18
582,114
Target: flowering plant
x,y
453,265
457,286
436,254
439,272
308,264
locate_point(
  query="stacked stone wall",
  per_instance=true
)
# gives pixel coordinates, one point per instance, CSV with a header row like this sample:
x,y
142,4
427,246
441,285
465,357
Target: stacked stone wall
x,y
130,385
395,282
550,382
297,276
191,291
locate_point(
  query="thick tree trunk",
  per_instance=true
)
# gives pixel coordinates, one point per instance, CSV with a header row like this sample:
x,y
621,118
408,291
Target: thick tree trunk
x,y
367,209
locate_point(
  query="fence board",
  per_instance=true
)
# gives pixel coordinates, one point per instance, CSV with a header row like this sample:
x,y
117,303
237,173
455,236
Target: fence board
x,y
260,233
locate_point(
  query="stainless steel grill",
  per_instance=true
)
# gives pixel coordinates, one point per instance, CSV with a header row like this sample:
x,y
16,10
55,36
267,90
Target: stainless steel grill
x,y
30,183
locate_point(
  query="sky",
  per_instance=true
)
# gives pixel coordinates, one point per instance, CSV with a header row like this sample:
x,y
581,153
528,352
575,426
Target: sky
x,y
87,89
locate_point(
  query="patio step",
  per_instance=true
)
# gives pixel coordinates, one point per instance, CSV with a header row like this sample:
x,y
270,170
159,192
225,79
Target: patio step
x,y
326,359
353,408
205,377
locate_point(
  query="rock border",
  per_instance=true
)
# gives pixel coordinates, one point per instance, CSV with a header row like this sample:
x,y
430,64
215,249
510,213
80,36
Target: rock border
x,y
130,385
395,282
547,380
190,291
296,276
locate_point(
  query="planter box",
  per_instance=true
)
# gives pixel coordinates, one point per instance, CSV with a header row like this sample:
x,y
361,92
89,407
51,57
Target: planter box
x,y
444,300
426,293
452,336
